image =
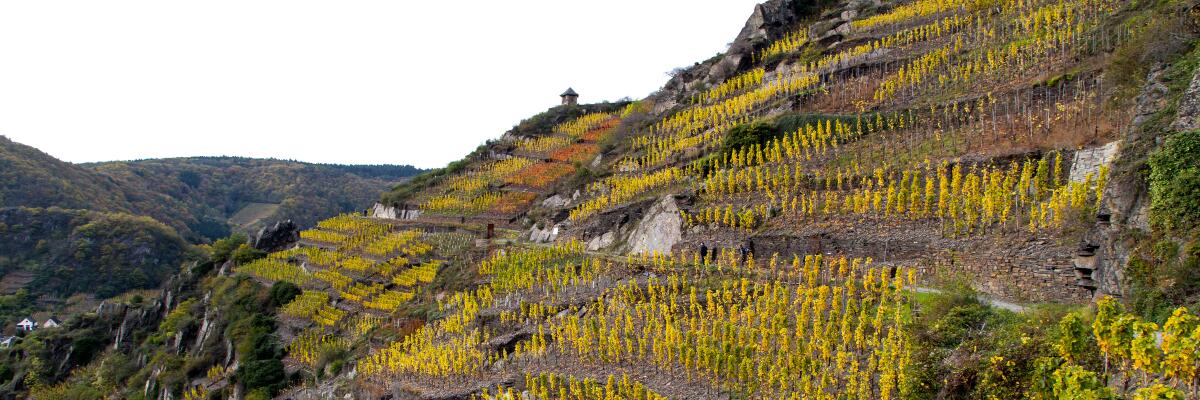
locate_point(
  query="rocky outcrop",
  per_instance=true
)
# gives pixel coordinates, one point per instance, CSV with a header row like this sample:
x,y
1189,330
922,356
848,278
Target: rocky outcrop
x,y
1188,116
543,235
659,230
642,227
277,237
602,242
389,212
1153,96
1101,257
1127,197
770,20
1095,267
556,201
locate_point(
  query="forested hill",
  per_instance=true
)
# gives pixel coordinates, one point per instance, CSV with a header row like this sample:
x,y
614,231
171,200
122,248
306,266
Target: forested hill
x,y
29,177
389,172
62,252
203,197
223,194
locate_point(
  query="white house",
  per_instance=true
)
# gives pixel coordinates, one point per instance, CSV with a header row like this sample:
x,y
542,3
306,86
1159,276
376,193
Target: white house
x,y
28,324
51,323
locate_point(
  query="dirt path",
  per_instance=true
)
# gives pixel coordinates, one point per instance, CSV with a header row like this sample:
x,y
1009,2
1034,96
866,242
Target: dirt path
x,y
1014,307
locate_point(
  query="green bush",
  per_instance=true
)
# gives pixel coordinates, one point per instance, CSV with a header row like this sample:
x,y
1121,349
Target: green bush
x,y
283,293
747,135
1161,281
1075,382
224,248
258,395
246,254
957,323
950,317
1175,183
762,133
87,344
266,375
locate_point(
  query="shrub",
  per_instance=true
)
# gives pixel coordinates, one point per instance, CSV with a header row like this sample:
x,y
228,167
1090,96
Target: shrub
x,y
224,248
258,395
1175,183
746,135
282,293
1075,382
245,254
266,375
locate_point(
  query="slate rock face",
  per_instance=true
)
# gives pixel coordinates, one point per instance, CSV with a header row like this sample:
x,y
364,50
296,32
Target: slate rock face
x,y
660,229
1188,116
277,237
556,201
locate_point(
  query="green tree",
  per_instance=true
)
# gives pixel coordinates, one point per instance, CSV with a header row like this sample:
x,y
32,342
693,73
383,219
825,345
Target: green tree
x,y
224,248
746,135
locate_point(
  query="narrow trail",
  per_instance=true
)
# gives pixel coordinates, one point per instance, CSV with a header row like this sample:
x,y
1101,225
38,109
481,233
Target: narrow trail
x,y
1014,307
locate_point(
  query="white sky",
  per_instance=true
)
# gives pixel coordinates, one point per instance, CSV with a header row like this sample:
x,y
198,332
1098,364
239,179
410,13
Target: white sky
x,y
354,82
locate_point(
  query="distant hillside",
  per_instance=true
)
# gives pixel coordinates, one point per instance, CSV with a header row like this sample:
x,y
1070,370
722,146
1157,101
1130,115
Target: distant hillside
x,y
196,196
31,178
70,251
213,190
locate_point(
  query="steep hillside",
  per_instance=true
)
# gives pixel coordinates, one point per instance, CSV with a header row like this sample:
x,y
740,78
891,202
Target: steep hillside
x,y
952,199
196,196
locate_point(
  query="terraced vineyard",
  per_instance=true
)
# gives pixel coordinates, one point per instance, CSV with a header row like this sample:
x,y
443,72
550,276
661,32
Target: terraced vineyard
x,y
888,199
591,324
893,200
358,275
500,190
948,120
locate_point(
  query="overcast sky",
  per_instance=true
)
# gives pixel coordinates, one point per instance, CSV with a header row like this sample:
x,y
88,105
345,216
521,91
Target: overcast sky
x,y
355,82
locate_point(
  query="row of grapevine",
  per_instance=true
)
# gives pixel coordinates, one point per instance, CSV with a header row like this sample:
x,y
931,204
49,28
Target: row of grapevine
x,y
790,42
578,153
549,385
543,144
969,200
618,190
1151,361
577,127
540,175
